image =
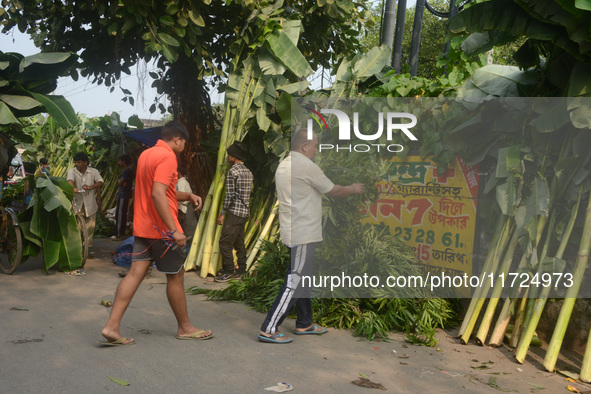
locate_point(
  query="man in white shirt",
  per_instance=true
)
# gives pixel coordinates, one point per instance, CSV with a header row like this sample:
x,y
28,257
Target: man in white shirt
x,y
300,185
87,184
187,217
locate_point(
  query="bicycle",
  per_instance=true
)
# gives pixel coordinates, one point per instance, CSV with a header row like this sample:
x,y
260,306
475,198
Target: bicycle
x,y
11,243
11,238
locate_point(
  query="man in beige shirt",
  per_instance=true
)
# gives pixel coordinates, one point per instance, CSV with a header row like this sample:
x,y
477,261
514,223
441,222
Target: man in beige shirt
x,y
300,186
87,184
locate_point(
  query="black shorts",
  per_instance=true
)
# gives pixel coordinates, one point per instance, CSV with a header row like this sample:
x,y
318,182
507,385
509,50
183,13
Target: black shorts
x,y
168,260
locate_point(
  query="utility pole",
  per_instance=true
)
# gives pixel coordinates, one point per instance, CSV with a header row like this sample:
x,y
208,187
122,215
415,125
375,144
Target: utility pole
x,y
388,24
399,35
416,37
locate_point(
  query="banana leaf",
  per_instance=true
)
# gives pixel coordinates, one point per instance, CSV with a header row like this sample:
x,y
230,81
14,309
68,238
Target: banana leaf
x,y
49,224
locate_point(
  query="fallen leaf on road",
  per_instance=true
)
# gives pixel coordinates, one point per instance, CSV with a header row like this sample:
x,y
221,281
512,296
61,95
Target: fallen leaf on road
x,y
568,374
492,382
119,381
536,386
481,366
364,382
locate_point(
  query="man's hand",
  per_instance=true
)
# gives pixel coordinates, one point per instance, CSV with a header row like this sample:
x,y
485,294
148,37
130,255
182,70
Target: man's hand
x,y
196,200
221,219
179,239
86,187
339,191
357,188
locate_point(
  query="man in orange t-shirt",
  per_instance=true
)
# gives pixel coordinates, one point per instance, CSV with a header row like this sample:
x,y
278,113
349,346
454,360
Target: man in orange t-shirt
x,y
159,238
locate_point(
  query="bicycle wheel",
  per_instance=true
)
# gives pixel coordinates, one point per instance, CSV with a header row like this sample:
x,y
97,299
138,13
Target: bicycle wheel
x,y
84,236
11,243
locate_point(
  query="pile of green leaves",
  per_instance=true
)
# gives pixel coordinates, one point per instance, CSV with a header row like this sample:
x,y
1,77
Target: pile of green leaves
x,y
368,317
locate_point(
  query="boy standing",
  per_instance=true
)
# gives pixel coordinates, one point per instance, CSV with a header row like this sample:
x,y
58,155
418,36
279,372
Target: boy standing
x,y
234,214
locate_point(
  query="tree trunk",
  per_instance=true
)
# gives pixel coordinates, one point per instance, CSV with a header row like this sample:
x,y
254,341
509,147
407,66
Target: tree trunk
x,y
191,106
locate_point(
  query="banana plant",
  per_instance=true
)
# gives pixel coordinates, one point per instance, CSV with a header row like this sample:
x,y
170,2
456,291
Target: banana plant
x,y
254,85
49,224
25,84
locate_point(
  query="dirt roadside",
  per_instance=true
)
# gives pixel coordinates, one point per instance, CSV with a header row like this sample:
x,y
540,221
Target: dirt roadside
x,y
50,324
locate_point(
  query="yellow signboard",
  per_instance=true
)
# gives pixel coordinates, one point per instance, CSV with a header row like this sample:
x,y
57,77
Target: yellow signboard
x,y
435,214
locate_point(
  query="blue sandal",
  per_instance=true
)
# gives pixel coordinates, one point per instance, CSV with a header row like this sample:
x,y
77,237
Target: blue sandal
x,y
311,331
273,338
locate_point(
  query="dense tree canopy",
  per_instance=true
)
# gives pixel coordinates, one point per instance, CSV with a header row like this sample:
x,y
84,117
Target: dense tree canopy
x,y
555,37
187,40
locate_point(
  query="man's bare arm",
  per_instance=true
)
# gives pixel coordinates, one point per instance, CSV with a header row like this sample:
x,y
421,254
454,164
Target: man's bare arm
x,y
163,209
185,196
339,191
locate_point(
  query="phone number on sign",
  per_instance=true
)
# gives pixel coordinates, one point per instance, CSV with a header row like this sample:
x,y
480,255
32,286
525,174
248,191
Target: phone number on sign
x,y
428,237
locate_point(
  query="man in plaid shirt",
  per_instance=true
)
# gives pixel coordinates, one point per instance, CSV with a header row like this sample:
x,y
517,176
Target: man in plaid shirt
x,y
234,214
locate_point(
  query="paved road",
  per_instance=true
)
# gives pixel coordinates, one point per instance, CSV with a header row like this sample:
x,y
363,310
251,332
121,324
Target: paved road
x,y
49,326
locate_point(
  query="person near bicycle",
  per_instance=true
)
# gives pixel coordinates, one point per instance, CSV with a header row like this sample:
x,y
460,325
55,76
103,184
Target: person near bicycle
x,y
87,182
43,167
124,195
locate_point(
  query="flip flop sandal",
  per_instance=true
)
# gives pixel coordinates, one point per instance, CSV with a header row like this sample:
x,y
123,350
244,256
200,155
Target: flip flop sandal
x,y
273,338
195,335
311,331
118,342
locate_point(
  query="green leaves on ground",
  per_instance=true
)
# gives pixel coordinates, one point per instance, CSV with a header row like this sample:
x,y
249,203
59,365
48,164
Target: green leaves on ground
x,y
369,318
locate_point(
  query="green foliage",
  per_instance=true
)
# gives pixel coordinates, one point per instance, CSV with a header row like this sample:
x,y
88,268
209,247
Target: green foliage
x,y
46,138
26,82
104,227
374,317
13,193
404,85
432,37
101,138
554,36
49,224
262,286
187,41
369,318
459,64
